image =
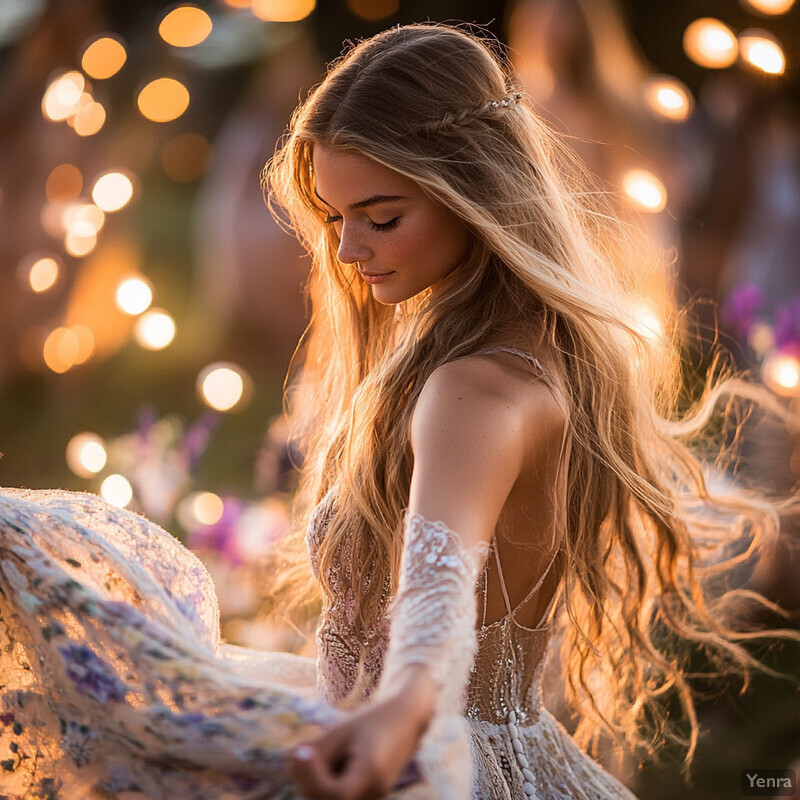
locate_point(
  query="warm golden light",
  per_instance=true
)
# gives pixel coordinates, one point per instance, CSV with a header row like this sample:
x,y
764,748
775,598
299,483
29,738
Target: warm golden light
x,y
64,183
155,329
645,190
185,157
760,50
207,508
185,26
769,7
85,339
237,3
112,191
103,58
83,219
782,374
61,349
222,386
117,490
86,454
373,10
43,274
134,296
282,10
89,119
668,97
80,243
63,96
163,100
648,323
710,44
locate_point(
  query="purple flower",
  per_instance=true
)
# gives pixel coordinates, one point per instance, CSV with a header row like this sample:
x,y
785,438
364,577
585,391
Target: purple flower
x,y
739,310
91,675
787,326
195,440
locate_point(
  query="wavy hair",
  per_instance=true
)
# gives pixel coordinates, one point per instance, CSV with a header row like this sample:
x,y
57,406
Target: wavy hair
x,y
547,255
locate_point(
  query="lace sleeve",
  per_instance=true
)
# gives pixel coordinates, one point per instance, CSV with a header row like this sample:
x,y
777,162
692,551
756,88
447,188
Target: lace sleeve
x,y
433,623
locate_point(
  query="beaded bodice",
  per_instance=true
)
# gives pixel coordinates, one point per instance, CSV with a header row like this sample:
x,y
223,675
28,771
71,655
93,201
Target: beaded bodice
x,y
507,668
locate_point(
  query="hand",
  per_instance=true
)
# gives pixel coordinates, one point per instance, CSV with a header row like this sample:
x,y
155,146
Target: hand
x,y
362,758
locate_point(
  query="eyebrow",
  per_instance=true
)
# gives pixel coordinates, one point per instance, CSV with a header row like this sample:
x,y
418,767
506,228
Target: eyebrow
x,y
370,201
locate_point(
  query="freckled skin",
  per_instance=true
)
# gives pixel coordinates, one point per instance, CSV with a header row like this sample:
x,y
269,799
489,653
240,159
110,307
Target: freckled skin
x,y
421,242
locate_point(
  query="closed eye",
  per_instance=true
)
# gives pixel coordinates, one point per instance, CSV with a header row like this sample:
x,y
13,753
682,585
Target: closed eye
x,y
385,226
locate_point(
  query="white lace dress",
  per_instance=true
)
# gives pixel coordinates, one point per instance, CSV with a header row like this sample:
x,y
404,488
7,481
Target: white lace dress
x,y
115,684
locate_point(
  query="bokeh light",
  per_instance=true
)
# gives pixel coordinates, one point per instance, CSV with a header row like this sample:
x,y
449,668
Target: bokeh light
x,y
237,3
762,51
85,339
185,26
782,374
83,219
117,490
373,10
645,190
63,96
134,296
64,183
163,100
155,329
89,119
104,57
112,191
282,10
185,157
222,386
61,350
710,43
79,243
668,97
43,274
769,7
86,454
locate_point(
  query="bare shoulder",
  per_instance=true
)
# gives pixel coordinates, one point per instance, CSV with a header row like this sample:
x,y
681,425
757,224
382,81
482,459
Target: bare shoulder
x,y
474,432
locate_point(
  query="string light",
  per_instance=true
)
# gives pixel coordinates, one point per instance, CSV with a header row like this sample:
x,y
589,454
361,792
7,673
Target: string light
x,y
134,296
61,349
782,374
103,57
668,97
282,10
163,100
185,26
155,329
710,43
760,49
769,7
64,183
86,454
42,274
645,190
117,490
112,191
222,386
89,119
63,96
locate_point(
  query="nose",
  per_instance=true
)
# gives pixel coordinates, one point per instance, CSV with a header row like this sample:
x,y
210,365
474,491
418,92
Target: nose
x,y
351,248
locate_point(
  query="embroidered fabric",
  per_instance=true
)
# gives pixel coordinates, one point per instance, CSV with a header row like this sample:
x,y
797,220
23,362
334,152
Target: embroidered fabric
x,y
517,748
433,623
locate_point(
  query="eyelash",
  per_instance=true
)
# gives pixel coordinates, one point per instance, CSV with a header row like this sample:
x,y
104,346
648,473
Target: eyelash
x,y
376,226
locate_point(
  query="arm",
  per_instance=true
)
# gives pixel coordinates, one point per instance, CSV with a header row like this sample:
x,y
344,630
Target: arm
x,y
467,444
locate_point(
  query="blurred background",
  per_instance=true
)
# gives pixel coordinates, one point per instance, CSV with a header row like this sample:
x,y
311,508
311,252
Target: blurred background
x,y
149,306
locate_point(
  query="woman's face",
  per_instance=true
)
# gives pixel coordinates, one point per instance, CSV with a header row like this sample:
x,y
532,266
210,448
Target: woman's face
x,y
387,225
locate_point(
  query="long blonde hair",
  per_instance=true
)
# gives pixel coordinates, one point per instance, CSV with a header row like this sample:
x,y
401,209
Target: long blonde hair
x,y
437,105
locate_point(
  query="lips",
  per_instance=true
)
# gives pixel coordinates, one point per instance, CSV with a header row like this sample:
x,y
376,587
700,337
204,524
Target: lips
x,y
375,274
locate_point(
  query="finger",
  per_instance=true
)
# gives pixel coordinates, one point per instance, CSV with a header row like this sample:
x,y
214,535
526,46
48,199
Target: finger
x,y
313,774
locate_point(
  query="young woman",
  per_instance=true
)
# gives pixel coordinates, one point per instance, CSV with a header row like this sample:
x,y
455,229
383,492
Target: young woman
x,y
489,460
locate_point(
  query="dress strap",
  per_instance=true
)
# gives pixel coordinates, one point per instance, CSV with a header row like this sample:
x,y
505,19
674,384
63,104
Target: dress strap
x,y
534,362
532,592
